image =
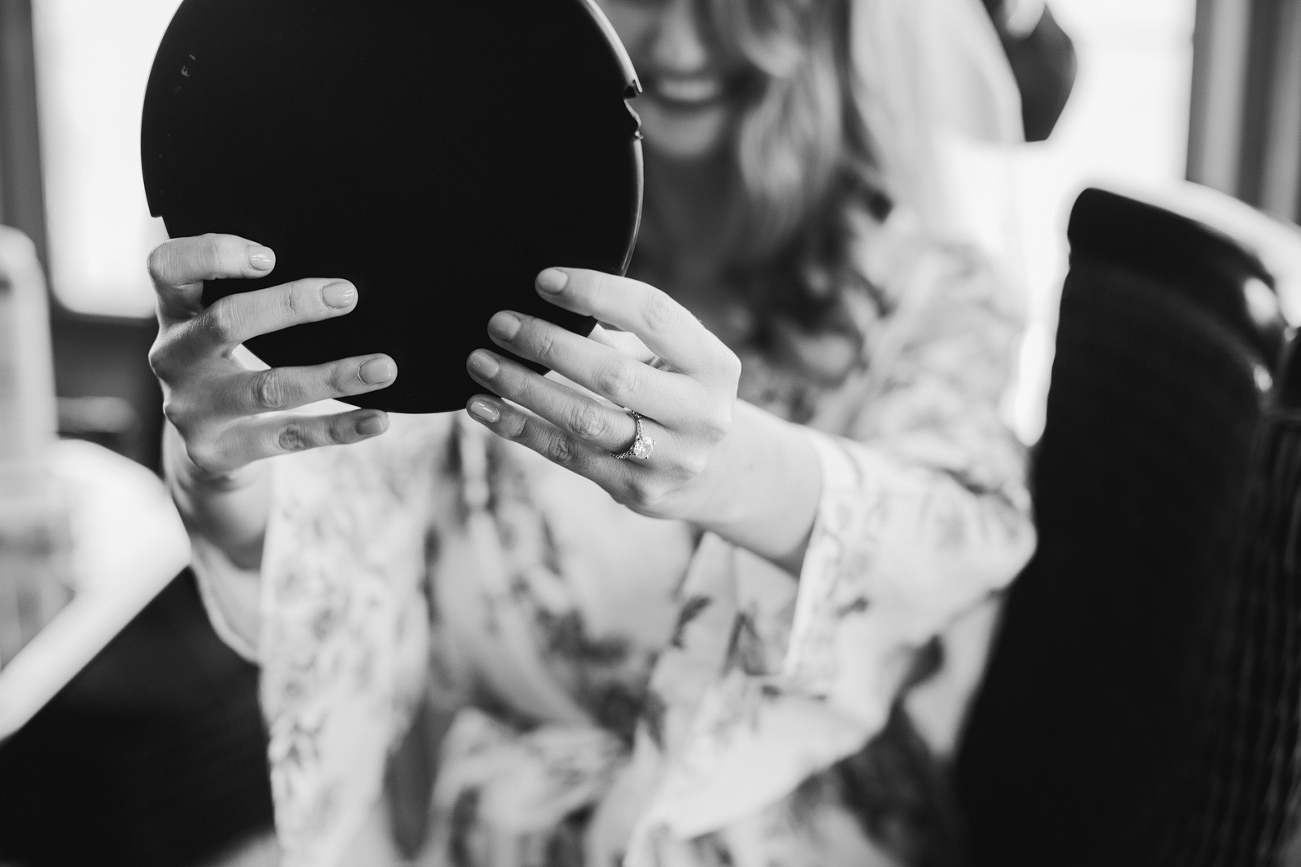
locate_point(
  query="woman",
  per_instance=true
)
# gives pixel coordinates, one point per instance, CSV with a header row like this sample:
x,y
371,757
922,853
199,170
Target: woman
x,y
661,605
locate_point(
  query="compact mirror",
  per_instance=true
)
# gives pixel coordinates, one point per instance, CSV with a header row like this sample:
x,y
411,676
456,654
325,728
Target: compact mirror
x,y
437,153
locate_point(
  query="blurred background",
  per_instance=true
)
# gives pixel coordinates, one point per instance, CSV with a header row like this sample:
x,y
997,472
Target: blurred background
x,y
152,754
73,173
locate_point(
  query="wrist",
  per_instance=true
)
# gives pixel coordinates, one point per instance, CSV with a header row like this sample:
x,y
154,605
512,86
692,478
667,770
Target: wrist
x,y
768,484
228,509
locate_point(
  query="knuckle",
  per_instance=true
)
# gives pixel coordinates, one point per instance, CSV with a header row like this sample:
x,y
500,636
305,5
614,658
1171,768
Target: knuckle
x,y
644,492
203,455
545,346
343,379
561,450
659,312
731,365
297,301
186,415
717,424
210,252
269,391
293,437
221,322
587,420
692,464
343,430
516,427
175,412
527,392
160,359
594,284
618,380
624,495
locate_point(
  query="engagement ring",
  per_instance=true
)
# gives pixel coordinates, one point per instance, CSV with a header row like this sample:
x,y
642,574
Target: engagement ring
x,y
641,447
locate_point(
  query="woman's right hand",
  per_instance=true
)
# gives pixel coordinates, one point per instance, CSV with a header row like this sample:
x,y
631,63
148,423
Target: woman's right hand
x,y
227,414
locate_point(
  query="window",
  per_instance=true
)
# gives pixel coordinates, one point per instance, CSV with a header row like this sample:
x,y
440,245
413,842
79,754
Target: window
x,y
92,63
1125,126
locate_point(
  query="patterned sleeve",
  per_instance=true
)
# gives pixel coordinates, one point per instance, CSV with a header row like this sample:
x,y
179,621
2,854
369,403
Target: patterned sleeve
x,y
924,510
924,513
230,596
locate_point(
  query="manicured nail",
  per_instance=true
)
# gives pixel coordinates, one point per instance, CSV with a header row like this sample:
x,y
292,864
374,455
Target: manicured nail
x,y
484,411
372,425
484,364
553,280
375,371
339,294
504,325
261,258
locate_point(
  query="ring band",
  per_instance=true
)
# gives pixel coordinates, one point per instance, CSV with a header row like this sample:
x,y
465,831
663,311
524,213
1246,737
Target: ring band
x,y
642,445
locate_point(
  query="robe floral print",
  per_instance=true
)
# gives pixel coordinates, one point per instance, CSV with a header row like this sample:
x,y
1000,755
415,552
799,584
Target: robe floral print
x,y
597,688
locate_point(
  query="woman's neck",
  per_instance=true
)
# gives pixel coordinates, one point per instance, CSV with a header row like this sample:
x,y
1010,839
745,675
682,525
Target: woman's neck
x,y
693,209
693,212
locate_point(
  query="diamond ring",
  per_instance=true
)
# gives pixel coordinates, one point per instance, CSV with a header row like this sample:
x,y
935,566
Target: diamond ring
x,y
641,447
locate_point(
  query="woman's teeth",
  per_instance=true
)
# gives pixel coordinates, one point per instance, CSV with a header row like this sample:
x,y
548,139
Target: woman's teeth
x,y
688,90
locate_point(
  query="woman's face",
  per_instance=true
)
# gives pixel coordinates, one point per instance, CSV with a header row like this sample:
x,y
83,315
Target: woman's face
x,y
691,97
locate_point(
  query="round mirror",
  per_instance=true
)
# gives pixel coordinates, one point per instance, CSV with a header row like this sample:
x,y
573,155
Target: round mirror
x,y
437,154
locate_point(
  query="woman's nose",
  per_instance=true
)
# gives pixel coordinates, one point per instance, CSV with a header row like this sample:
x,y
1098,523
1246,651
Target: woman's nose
x,y
681,46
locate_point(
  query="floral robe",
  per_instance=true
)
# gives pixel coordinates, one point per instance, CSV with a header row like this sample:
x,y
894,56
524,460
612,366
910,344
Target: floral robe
x,y
587,684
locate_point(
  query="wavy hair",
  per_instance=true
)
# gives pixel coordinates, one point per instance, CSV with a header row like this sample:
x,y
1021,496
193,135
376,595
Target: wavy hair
x,y
806,166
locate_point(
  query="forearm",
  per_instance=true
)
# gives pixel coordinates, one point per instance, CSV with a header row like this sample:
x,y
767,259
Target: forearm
x,y
229,511
770,483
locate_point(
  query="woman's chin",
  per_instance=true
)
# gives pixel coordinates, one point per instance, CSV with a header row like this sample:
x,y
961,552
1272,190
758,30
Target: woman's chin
x,y
684,134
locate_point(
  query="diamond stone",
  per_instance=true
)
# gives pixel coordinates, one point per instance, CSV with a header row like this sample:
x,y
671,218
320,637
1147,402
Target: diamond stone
x,y
641,449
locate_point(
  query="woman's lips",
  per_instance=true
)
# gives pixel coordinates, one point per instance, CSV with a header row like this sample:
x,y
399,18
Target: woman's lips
x,y
686,92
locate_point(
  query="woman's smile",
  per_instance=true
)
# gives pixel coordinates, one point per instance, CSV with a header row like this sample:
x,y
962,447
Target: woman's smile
x,y
685,92
689,98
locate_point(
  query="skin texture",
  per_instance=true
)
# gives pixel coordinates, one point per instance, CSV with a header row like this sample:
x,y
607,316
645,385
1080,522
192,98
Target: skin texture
x,y
217,408
718,463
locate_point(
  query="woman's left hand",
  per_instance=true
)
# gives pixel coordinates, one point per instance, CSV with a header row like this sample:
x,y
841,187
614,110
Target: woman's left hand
x,y
680,378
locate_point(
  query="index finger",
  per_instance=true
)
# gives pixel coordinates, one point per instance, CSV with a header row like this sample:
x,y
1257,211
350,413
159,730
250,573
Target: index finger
x,y
667,328
179,267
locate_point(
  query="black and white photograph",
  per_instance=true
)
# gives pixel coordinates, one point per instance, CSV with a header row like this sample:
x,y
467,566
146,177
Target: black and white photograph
x,y
650,433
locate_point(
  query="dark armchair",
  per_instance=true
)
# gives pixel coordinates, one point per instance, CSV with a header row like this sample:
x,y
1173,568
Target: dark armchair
x,y
1080,748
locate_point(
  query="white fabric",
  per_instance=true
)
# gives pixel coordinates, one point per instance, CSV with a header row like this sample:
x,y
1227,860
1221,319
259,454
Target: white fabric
x,y
899,550
214,572
931,69
127,544
762,684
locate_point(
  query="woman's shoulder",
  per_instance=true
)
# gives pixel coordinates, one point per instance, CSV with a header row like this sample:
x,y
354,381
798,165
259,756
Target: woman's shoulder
x,y
908,263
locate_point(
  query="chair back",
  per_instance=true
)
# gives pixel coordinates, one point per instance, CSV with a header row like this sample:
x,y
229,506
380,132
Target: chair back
x,y
1238,800
1089,704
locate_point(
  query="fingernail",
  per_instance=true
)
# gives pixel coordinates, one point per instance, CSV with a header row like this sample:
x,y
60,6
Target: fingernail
x,y
504,325
553,280
484,411
372,425
261,258
484,364
339,294
375,371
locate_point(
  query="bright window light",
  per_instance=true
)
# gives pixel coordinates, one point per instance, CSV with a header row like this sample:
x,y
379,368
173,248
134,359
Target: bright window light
x,y
93,61
1126,126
